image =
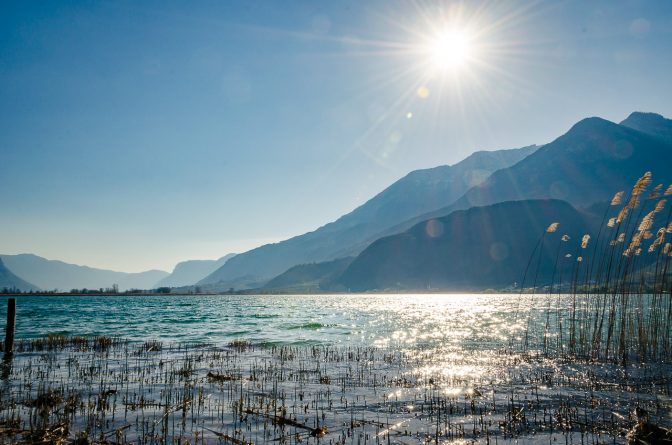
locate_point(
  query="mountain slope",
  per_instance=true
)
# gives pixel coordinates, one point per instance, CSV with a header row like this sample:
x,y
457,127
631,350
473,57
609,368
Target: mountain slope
x,y
650,123
315,276
468,249
418,192
190,272
587,164
432,187
53,274
10,281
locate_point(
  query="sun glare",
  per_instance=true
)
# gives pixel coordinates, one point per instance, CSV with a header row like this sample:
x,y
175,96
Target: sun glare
x,y
450,49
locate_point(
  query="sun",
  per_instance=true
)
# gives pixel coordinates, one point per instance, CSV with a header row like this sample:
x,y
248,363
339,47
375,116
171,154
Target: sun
x,y
450,49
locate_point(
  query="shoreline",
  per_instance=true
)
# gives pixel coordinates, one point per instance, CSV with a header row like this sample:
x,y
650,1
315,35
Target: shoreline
x,y
289,294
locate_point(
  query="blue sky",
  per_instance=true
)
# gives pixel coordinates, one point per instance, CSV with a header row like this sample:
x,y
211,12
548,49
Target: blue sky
x,y
134,135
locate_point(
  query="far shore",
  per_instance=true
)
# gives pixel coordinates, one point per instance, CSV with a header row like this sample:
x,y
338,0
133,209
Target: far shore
x,y
252,292
526,291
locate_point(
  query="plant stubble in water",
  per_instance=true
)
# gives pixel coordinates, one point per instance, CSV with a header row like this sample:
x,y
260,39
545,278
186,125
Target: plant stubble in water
x,y
366,369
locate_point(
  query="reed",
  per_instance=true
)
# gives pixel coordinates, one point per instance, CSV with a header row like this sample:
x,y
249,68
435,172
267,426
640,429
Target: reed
x,y
616,304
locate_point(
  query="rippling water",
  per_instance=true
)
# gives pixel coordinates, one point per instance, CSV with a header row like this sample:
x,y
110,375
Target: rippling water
x,y
440,369
323,319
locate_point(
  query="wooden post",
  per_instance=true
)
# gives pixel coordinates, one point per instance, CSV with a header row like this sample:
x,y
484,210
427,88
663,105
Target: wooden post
x,y
11,322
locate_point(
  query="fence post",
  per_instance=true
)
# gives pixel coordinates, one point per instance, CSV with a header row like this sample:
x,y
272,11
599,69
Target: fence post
x,y
11,323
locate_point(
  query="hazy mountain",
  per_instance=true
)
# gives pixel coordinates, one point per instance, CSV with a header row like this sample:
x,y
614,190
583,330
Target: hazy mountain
x,y
418,192
469,249
309,277
190,272
53,274
242,283
650,123
588,164
10,281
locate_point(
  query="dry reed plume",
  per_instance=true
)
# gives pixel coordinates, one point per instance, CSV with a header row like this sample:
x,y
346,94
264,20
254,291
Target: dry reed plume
x,y
620,309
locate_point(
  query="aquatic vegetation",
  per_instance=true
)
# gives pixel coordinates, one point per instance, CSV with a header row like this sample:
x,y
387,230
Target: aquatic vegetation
x,y
619,284
185,393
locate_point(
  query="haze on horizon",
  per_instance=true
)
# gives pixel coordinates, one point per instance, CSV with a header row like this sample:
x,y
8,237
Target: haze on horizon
x,y
137,135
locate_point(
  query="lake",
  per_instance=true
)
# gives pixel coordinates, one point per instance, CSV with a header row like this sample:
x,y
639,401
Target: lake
x,y
324,319
321,369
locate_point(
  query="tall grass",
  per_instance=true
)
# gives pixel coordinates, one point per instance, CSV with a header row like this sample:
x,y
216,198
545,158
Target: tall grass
x,y
615,305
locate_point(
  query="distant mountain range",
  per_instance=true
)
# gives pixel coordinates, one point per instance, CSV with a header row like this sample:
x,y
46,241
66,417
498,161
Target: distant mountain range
x,y
9,281
189,272
53,274
584,167
418,192
465,226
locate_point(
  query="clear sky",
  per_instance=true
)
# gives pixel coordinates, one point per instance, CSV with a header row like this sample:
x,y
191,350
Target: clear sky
x,y
134,135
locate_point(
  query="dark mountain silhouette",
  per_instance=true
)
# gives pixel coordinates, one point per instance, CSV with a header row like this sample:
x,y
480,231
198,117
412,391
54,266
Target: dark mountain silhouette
x,y
53,274
190,272
10,281
418,192
470,249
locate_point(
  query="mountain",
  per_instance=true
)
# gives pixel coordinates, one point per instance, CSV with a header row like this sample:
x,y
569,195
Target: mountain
x,y
588,164
418,192
53,274
309,277
10,281
650,123
470,249
190,272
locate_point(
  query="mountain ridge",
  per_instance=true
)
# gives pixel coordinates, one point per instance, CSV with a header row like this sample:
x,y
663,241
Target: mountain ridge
x,y
594,158
346,236
186,273
607,169
59,275
651,123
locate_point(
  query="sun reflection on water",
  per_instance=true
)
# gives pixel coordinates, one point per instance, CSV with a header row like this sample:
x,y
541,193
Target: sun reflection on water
x,y
449,342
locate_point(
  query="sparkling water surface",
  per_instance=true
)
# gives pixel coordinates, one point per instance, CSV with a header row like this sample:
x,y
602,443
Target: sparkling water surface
x,y
443,367
379,320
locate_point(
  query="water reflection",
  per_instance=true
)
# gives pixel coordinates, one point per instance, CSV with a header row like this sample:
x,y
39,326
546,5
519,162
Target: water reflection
x,y
382,320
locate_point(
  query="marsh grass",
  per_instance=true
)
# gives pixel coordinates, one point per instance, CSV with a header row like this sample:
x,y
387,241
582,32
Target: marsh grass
x,y
618,282
183,393
54,342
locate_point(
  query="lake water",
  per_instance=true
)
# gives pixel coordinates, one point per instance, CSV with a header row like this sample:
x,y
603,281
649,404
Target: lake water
x,y
324,319
408,369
